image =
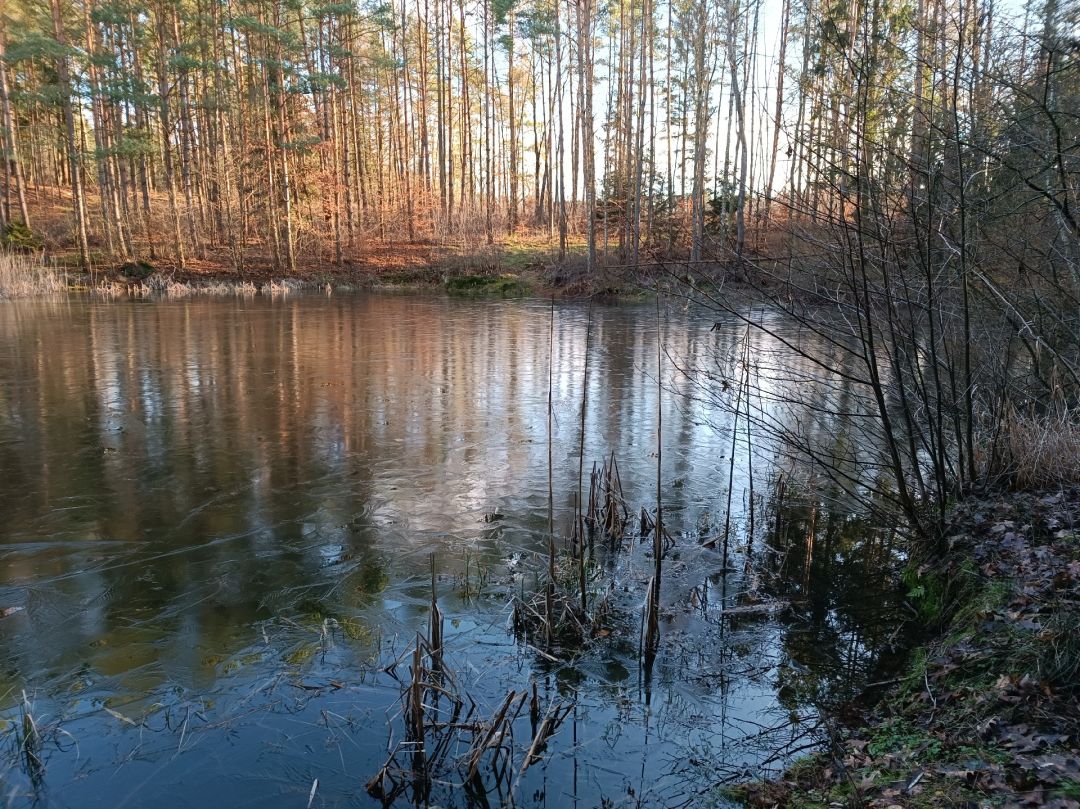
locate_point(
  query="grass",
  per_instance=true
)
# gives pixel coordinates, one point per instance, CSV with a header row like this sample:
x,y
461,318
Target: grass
x,y
28,275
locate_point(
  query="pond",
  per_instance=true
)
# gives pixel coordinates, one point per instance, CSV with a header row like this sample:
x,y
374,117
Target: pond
x,y
220,518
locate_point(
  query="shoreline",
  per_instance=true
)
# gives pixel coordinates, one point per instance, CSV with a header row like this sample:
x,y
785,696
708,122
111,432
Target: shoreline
x,y
40,277
985,712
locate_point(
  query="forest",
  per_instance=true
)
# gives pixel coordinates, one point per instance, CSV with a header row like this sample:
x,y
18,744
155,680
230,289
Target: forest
x,y
620,134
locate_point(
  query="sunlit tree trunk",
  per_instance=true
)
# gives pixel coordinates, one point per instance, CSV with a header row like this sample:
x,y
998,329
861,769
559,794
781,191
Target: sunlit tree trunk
x,y
78,199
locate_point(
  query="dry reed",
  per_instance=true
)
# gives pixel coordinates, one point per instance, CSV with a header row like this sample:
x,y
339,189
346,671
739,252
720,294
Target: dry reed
x,y
28,276
1040,450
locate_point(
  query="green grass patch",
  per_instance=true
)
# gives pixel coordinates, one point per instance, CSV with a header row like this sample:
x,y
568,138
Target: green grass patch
x,y
898,736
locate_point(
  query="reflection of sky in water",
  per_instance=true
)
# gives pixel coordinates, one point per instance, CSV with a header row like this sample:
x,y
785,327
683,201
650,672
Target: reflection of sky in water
x,y
212,499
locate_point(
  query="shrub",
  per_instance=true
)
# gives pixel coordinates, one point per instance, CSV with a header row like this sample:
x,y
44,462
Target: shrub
x,y
18,238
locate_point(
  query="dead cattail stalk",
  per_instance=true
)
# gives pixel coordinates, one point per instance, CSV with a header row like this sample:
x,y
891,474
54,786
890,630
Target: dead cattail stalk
x,y
416,696
647,523
749,445
652,603
493,728
582,582
579,526
534,707
778,520
731,460
651,619
435,626
549,590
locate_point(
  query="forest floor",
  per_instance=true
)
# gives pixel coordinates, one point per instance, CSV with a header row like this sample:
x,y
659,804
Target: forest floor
x,y
515,264
511,267
525,262
987,712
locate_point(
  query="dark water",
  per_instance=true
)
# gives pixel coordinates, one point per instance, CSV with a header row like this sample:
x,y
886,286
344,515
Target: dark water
x,y
218,517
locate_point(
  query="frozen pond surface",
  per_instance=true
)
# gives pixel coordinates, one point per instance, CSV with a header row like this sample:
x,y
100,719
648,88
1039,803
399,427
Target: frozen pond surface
x,y
217,523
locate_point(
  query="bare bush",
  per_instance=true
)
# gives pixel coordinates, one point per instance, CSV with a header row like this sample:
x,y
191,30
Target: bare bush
x,y
1040,450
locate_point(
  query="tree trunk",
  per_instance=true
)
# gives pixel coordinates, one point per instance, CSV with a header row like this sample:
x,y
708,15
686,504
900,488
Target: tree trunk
x,y
78,200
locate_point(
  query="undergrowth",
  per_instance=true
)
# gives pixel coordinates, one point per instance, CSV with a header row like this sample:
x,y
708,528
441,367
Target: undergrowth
x,y
23,276
986,712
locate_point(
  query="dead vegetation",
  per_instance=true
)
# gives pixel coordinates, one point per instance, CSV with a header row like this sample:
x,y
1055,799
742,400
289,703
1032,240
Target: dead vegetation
x,y
446,737
30,275
1038,451
159,286
572,604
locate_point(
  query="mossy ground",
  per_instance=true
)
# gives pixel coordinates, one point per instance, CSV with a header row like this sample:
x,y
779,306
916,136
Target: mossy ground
x,y
987,712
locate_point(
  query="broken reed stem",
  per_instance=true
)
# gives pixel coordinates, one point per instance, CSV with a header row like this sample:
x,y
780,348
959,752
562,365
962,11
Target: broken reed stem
x,y
731,460
749,444
435,736
31,738
617,515
435,629
658,536
553,717
581,462
780,486
549,600
496,725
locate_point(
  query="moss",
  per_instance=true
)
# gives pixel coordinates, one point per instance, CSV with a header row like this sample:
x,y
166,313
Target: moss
x,y
928,592
356,630
413,277
238,663
1069,789
899,736
467,283
505,285
518,259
